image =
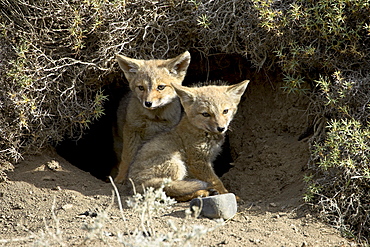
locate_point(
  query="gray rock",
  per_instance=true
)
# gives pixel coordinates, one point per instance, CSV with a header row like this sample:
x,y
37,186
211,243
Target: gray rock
x,y
218,206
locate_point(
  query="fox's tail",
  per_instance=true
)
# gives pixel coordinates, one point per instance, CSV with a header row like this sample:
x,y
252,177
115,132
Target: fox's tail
x,y
181,190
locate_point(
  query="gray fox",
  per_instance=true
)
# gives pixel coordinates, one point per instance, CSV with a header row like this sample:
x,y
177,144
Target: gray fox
x,y
150,108
186,152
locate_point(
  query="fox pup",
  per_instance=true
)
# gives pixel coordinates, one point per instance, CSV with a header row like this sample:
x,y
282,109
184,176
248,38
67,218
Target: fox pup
x,y
185,153
150,108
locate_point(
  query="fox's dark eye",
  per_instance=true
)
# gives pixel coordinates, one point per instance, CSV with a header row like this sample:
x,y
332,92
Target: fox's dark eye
x,y
225,111
141,88
161,87
206,114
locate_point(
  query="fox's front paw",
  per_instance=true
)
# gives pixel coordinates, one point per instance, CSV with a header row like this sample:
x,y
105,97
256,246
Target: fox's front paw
x,y
213,192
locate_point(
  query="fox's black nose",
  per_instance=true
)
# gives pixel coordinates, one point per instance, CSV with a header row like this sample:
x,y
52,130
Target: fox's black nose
x,y
148,103
221,129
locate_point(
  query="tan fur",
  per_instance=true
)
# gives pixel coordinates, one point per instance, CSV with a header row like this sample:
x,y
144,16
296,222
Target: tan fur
x,y
185,153
150,108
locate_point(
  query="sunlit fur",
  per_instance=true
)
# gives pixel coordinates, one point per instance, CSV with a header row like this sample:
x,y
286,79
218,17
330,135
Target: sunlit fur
x,y
150,108
185,153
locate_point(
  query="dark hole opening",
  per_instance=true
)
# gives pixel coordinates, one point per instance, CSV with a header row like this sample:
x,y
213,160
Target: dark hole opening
x,y
94,151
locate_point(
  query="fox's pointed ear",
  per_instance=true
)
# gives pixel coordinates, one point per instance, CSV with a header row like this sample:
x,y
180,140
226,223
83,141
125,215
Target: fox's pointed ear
x,y
237,90
185,94
179,65
129,66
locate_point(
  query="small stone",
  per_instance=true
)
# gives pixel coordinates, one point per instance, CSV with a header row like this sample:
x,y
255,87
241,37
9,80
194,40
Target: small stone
x,y
272,204
256,241
108,234
67,207
218,206
276,216
88,213
18,206
57,188
223,242
53,165
48,178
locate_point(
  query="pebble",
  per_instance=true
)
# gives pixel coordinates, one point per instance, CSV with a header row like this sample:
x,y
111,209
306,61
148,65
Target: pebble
x,y
53,165
218,206
67,207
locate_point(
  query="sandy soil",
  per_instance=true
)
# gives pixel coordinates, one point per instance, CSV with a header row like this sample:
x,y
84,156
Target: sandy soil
x,y
44,195
46,183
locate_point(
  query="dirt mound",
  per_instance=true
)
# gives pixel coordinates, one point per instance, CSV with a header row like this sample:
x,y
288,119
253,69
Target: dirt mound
x,y
268,158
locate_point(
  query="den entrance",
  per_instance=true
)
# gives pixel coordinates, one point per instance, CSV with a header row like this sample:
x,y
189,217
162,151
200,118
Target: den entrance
x,y
262,158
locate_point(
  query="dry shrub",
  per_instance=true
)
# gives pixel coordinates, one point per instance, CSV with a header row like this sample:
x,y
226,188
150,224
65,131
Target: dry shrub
x,y
47,88
327,44
341,184
60,53
340,158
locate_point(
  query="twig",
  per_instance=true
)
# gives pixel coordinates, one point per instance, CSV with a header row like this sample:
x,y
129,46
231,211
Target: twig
x,y
118,198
